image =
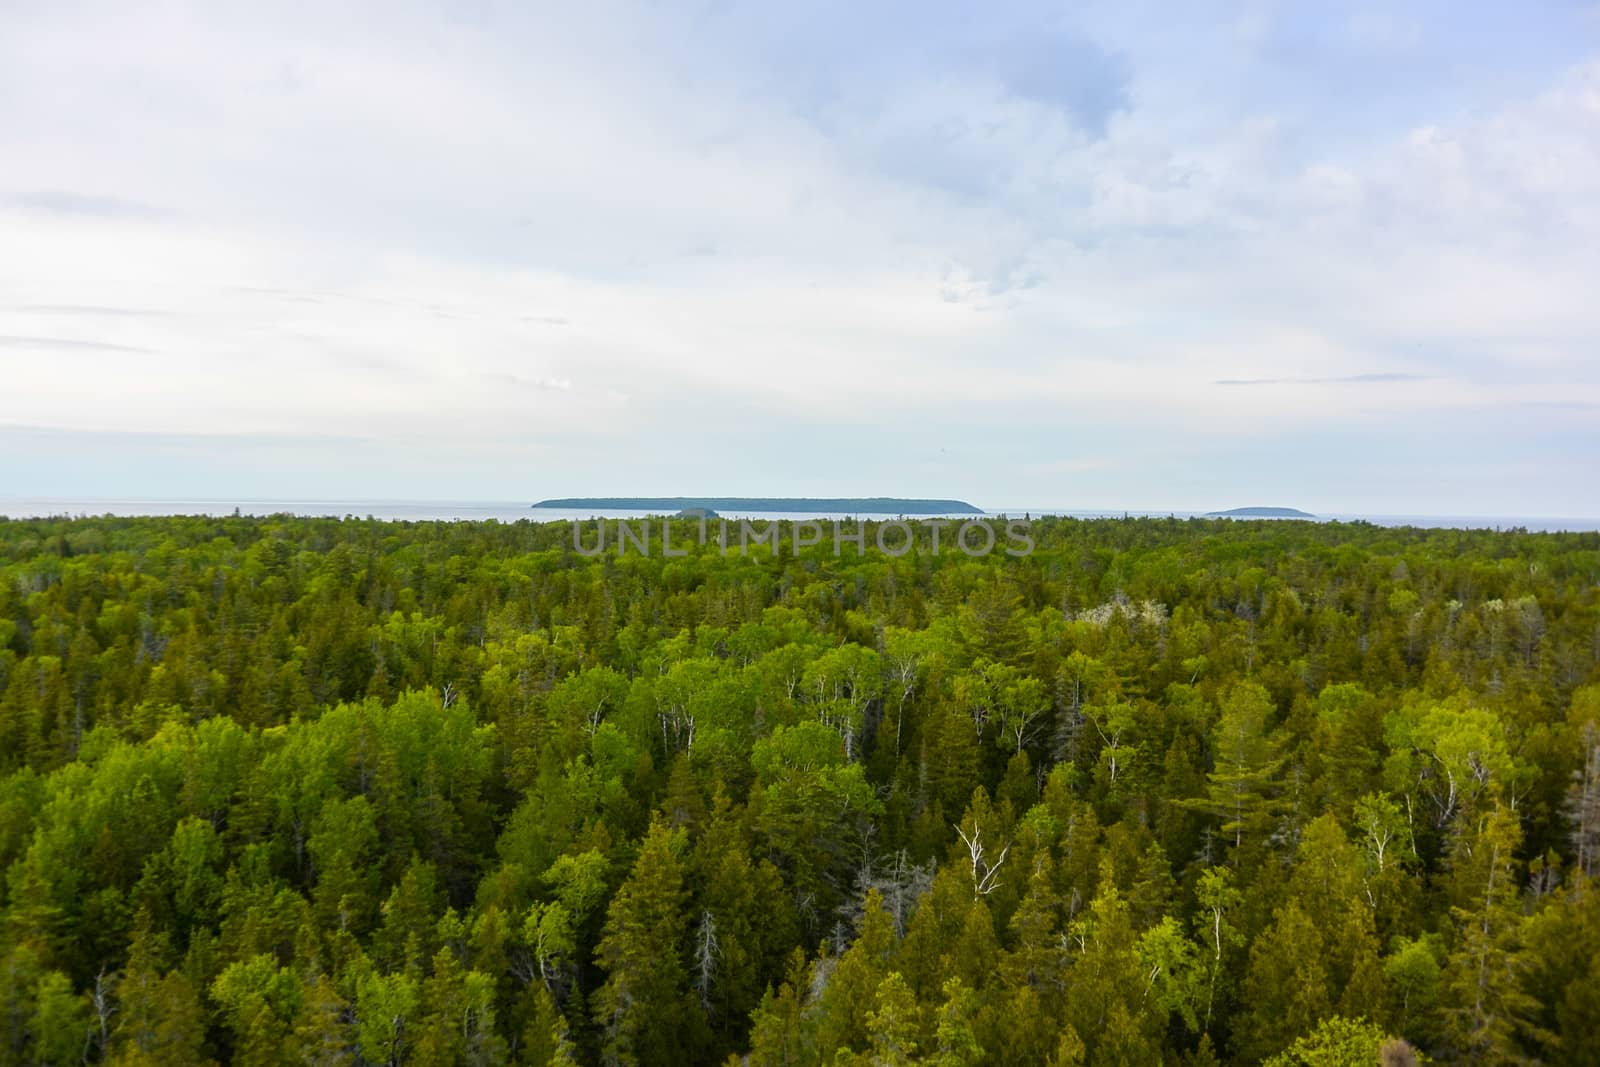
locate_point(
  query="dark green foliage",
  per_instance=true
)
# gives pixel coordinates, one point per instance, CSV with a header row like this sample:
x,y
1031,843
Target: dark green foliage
x,y
1184,792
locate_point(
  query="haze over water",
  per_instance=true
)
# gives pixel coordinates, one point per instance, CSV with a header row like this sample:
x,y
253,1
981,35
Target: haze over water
x,y
512,511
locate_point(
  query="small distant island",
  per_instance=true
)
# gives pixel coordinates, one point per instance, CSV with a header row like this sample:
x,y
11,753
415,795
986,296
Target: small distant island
x,y
1260,513
844,505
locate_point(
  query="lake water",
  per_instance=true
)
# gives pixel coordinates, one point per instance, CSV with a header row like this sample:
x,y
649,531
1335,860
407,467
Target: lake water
x,y
512,511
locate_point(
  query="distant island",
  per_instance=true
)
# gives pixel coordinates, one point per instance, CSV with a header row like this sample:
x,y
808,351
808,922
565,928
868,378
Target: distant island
x,y
843,505
1260,513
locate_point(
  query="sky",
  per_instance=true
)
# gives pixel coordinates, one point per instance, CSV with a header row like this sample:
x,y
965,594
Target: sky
x,y
1343,257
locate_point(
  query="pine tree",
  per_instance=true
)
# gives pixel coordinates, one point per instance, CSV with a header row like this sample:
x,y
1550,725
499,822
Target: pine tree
x,y
1037,958
160,1019
324,1036
545,1039
1107,985
777,1037
956,1042
851,982
60,1022
386,1013
643,1008
1285,990
893,1024
1241,786
1487,1011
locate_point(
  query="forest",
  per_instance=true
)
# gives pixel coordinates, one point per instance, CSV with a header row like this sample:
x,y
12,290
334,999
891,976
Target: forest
x,y
1163,792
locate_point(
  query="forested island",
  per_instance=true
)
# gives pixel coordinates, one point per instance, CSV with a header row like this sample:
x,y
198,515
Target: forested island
x,y
1165,791
1260,513
793,505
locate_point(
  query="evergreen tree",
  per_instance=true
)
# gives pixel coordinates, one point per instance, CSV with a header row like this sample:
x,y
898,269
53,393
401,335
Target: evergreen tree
x,y
1487,1011
1241,789
644,1009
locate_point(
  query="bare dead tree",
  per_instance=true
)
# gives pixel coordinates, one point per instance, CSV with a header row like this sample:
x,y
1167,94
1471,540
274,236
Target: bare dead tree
x,y
104,1008
985,875
706,952
1583,807
903,671
899,883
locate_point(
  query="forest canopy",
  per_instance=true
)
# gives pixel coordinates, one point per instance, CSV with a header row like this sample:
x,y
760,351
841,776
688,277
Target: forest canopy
x,y
318,791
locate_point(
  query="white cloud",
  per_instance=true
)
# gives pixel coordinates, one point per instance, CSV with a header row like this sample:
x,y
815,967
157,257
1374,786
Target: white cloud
x,y
618,224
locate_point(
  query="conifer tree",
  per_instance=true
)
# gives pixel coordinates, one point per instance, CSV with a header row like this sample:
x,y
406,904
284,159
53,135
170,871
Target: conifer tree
x,y
643,1008
1241,786
1487,1012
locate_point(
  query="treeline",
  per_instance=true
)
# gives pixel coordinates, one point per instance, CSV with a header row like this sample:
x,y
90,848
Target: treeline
x,y
311,791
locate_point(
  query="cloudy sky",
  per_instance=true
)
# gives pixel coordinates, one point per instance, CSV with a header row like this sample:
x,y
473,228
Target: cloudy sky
x,y
1176,255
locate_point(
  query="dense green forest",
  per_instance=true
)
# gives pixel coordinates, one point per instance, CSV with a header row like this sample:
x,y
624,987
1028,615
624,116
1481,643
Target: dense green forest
x,y
307,791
